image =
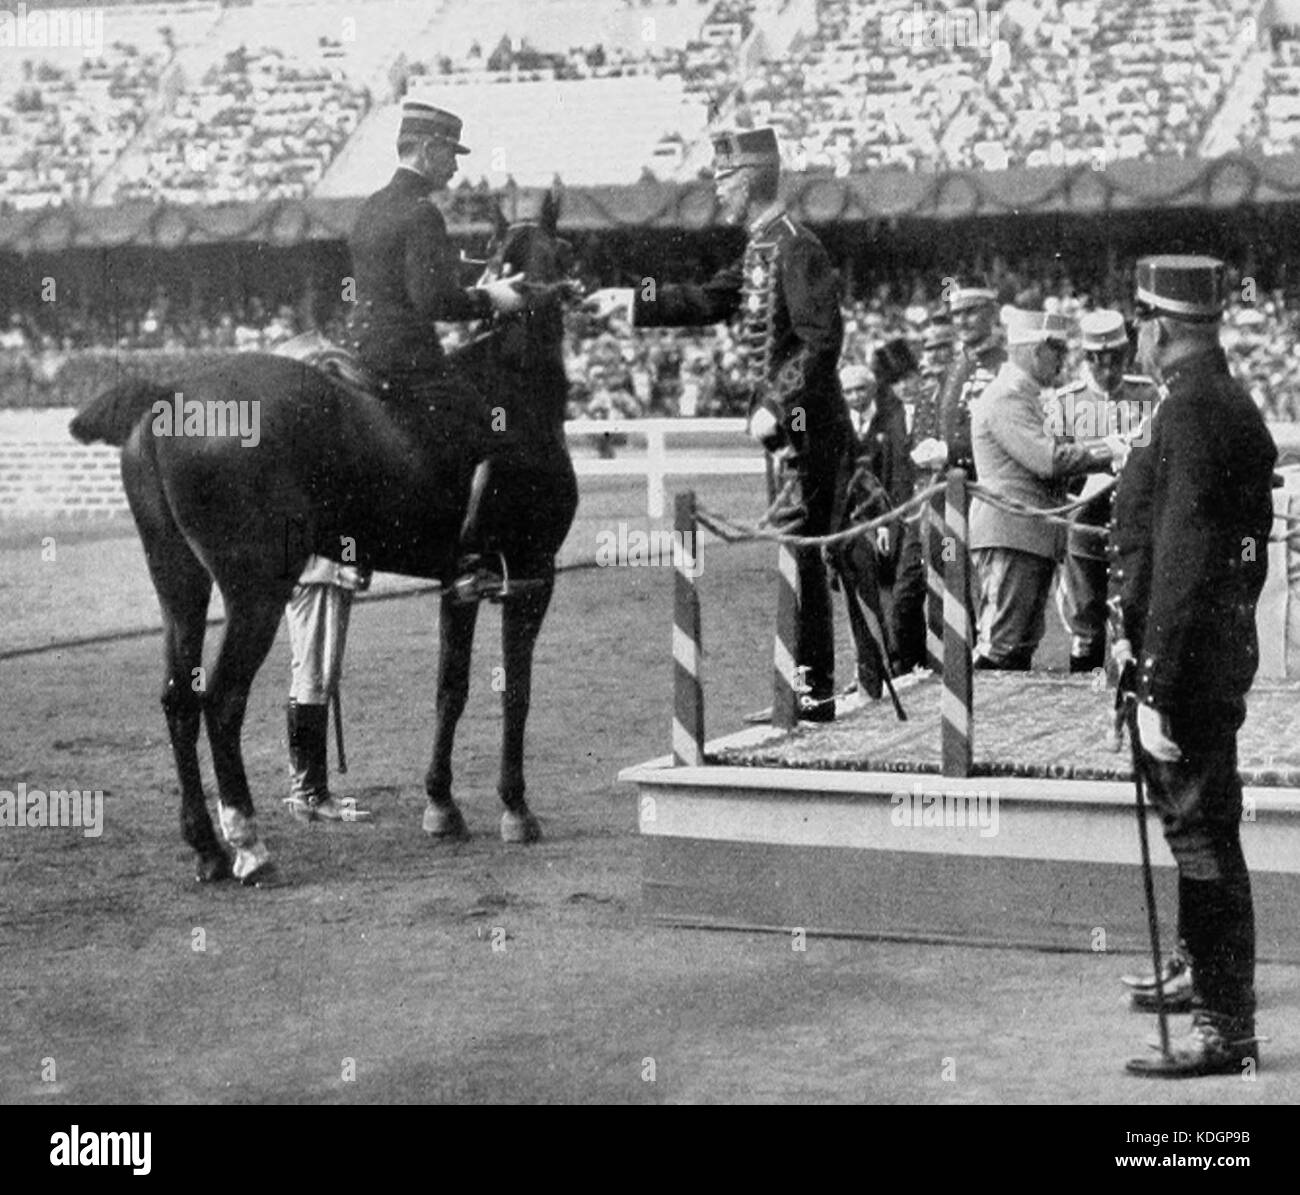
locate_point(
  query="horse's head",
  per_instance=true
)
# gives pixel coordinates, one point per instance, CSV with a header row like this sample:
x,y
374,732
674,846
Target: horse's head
x,y
535,249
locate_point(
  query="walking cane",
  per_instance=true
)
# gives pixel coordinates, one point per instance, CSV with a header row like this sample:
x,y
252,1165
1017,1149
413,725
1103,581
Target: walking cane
x,y
338,729
1130,701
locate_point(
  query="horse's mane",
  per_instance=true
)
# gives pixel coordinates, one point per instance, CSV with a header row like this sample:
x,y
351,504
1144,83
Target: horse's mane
x,y
113,415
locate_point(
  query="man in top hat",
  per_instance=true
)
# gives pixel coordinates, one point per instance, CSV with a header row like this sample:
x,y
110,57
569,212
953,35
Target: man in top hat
x,y
786,294
1018,457
882,480
407,278
1189,540
1105,401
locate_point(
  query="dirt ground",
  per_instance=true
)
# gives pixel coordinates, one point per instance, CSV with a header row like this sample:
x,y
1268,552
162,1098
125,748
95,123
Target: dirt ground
x,y
381,968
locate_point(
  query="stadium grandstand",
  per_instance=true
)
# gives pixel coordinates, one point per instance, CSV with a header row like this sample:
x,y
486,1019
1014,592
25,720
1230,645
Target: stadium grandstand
x,y
188,171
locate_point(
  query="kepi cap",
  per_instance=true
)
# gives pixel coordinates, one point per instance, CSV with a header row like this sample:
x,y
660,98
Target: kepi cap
x,y
744,147
1184,286
1103,329
1035,327
424,120
966,297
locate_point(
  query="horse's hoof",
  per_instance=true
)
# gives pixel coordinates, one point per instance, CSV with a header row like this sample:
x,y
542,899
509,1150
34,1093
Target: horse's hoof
x,y
520,827
252,863
445,821
211,869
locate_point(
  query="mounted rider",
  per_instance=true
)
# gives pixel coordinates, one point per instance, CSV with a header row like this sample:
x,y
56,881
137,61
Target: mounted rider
x,y
407,277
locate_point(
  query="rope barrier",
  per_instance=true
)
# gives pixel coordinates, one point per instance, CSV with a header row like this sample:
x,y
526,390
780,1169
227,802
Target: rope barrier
x,y
940,518
737,531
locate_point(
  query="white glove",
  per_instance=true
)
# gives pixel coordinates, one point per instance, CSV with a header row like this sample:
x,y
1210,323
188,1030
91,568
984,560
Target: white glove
x,y
884,541
609,300
1153,730
1119,449
930,454
505,298
764,427
1121,653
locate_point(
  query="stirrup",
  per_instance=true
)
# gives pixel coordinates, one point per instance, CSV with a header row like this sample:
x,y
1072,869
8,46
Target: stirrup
x,y
481,582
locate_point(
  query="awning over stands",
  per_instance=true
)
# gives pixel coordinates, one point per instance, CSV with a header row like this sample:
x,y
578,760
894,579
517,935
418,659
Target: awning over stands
x,y
818,199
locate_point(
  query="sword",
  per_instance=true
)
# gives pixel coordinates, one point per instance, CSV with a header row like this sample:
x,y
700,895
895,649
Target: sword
x,y
1129,700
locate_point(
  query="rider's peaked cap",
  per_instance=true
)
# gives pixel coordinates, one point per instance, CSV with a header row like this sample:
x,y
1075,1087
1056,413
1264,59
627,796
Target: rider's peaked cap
x,y
424,120
744,147
1181,285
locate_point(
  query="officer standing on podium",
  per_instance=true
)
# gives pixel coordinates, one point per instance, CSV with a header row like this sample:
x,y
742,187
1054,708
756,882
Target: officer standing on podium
x,y
787,296
1106,401
1192,517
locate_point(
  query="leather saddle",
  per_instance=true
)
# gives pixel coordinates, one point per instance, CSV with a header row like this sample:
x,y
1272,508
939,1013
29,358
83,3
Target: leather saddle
x,y
337,363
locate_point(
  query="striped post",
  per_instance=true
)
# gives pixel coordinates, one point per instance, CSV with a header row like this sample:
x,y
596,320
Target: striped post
x,y
785,685
956,701
932,514
688,693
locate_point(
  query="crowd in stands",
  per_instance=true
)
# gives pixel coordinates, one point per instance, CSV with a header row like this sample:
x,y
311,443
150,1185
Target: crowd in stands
x,y
259,126
1017,83
1027,84
618,373
63,124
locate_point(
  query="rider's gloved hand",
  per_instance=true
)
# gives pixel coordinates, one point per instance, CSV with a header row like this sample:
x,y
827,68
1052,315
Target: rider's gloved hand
x,y
504,295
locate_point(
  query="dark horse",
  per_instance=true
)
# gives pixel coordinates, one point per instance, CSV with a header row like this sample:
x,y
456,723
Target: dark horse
x,y
344,475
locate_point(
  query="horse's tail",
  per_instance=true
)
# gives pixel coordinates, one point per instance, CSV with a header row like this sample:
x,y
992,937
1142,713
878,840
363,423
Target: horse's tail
x,y
113,415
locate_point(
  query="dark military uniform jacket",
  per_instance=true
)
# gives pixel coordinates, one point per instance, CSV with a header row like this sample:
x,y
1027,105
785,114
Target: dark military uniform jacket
x,y
787,296
968,375
1081,411
1189,539
407,277
883,447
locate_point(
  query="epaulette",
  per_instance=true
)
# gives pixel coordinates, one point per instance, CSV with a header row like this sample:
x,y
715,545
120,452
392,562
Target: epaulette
x,y
790,224
1071,388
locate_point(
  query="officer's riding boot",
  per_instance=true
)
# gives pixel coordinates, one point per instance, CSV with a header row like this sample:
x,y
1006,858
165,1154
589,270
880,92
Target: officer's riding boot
x,y
309,792
1216,1044
476,574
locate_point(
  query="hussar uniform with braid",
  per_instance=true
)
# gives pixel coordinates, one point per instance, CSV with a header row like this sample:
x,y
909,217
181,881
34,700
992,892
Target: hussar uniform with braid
x,y
784,294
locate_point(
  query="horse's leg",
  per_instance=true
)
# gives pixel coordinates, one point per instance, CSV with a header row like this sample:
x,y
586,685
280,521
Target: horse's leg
x,y
184,589
442,816
521,622
251,623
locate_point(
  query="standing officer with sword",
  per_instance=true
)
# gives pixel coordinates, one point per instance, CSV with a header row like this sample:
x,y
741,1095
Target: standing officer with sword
x,y
1189,552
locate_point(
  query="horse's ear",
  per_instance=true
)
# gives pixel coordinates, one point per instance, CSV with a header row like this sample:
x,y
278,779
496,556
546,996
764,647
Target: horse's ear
x,y
500,225
551,209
